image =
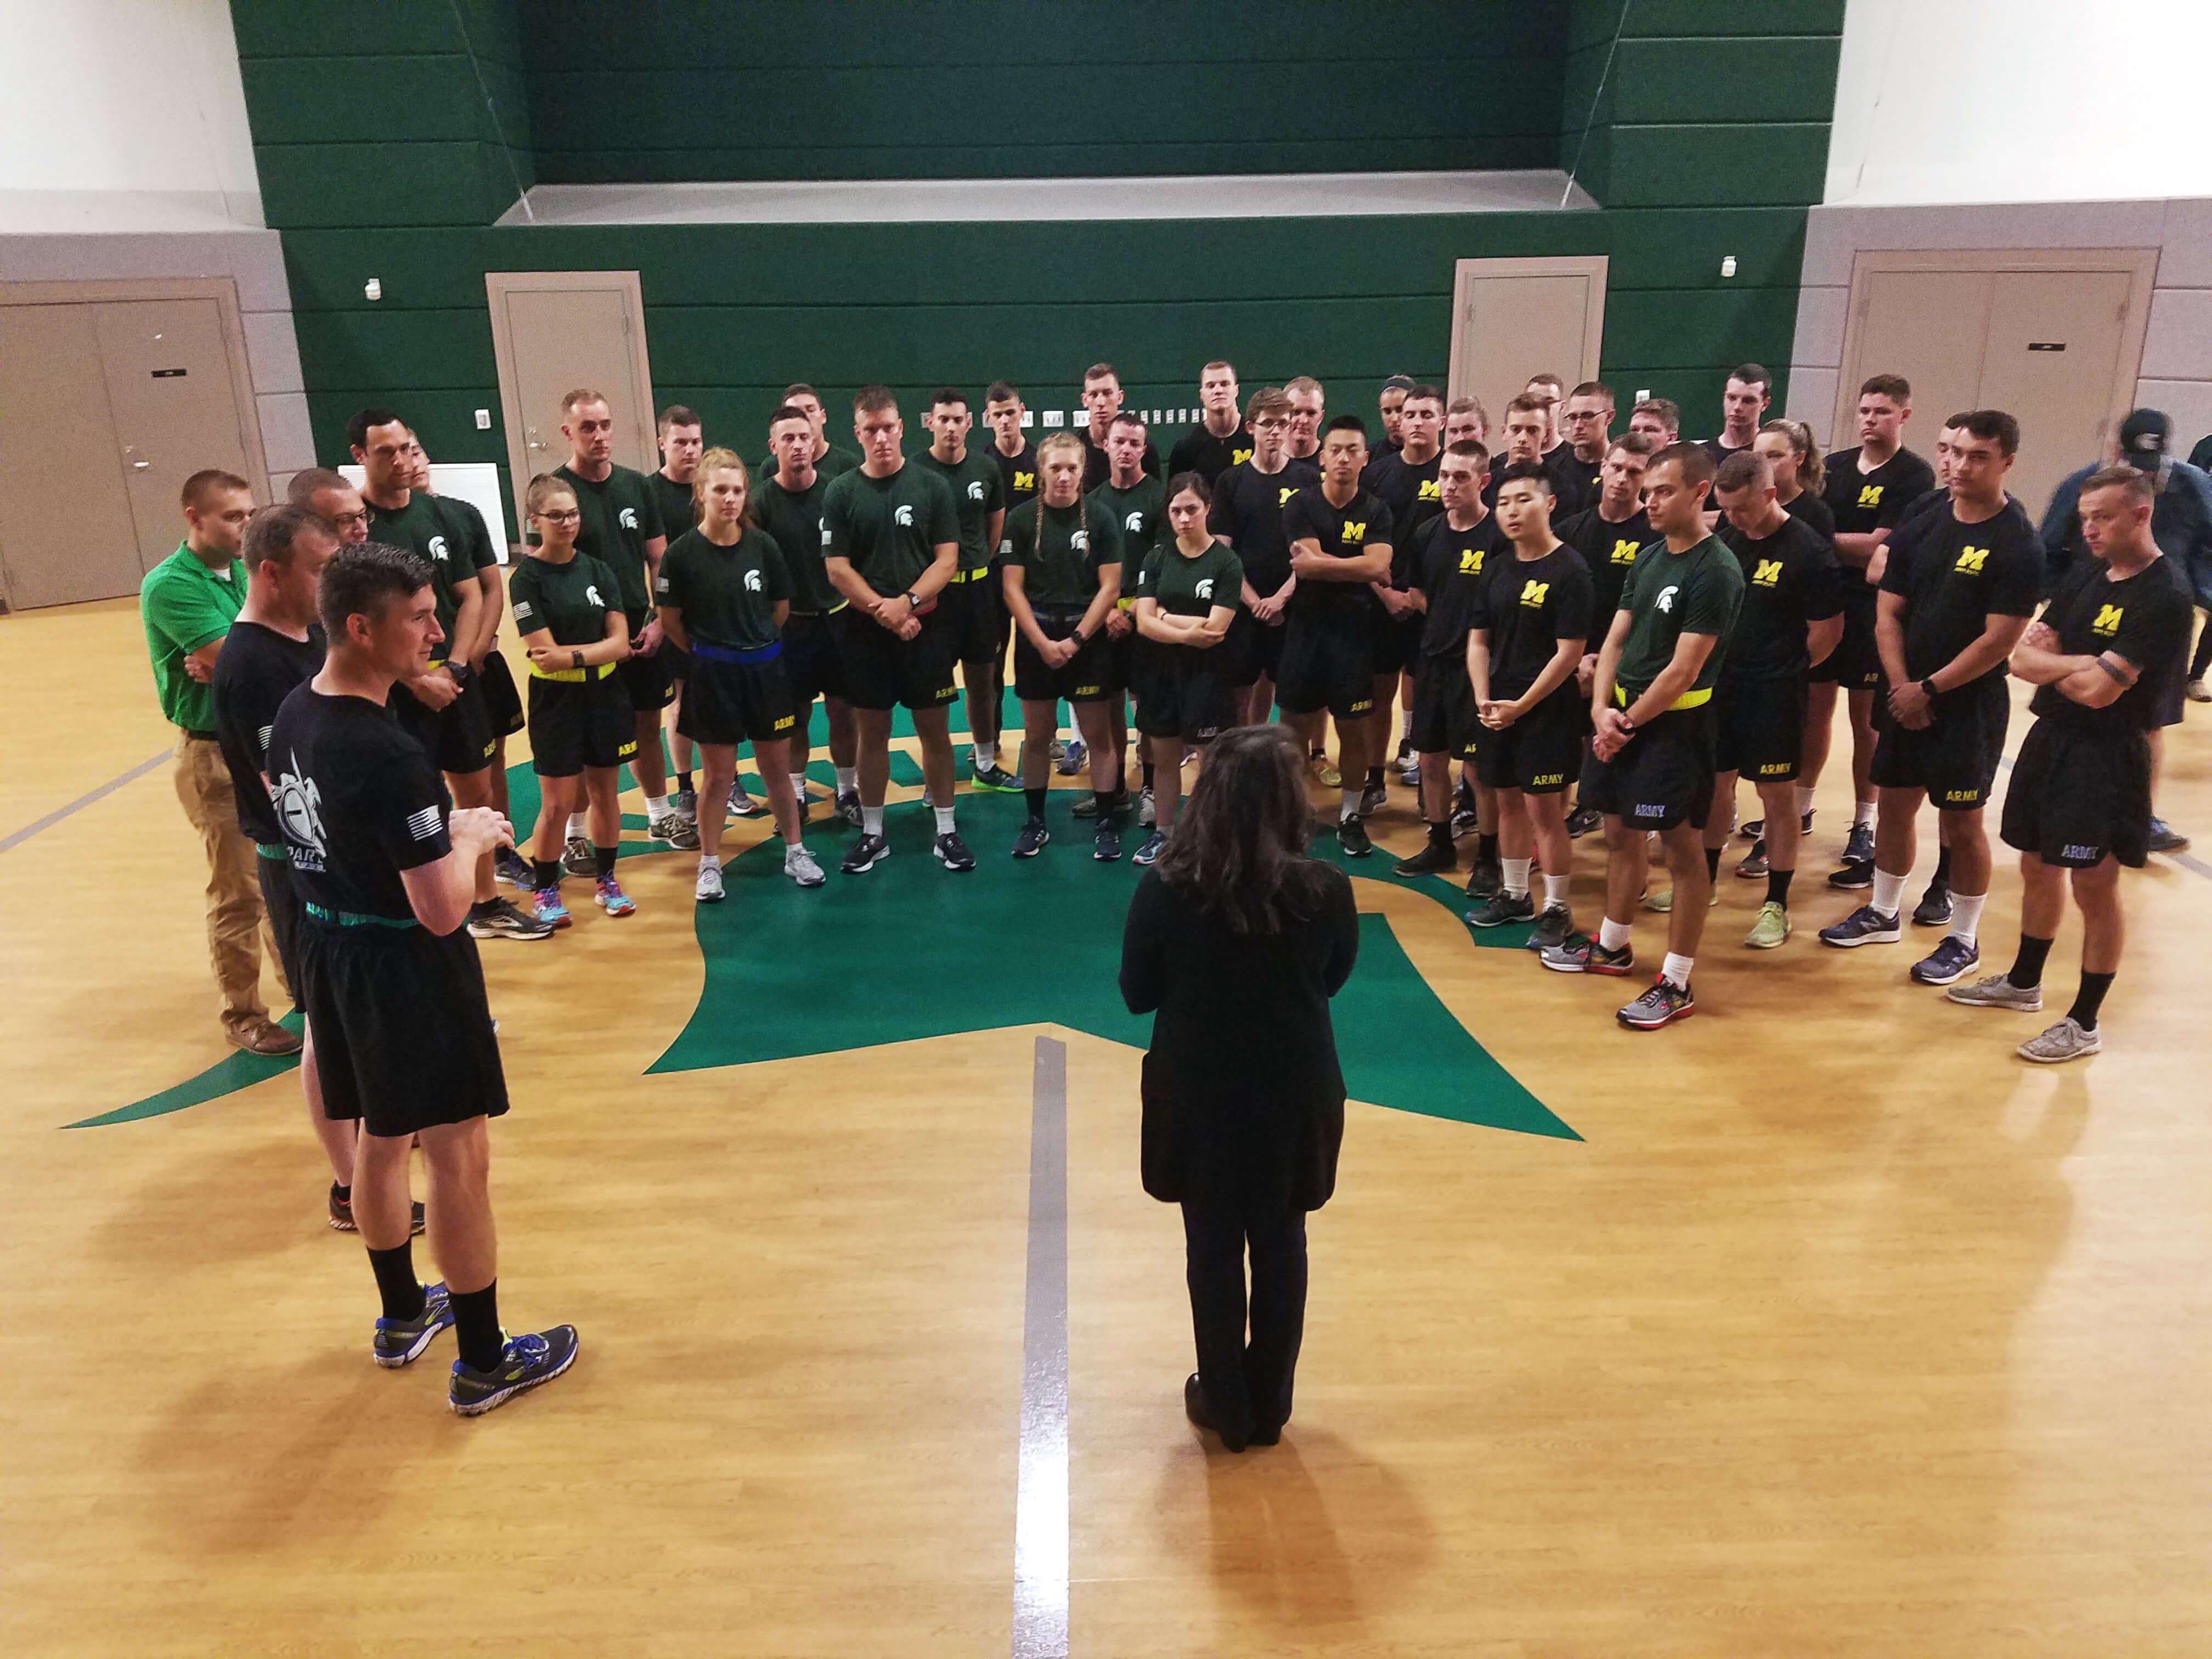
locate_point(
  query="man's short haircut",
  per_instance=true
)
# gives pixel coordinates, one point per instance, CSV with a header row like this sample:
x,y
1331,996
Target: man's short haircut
x,y
1219,362
1267,400
1127,418
1753,374
1468,406
1301,383
206,483
800,389
1695,460
357,429
1552,380
947,394
1743,470
1346,423
788,412
1534,473
1594,389
676,415
1952,422
582,395
2136,484
1668,411
874,400
362,578
1468,450
1895,387
310,481
1526,403
1002,391
1634,442
1101,372
272,535
1424,394
1994,423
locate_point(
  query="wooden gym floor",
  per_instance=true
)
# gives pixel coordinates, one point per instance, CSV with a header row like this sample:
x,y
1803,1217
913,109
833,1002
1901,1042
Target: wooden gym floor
x,y
1838,1331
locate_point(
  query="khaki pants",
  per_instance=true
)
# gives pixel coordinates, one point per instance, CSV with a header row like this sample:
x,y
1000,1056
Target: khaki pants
x,y
237,930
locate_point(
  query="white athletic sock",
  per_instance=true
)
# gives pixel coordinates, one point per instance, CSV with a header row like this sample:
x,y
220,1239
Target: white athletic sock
x,y
579,827
710,861
1406,723
1349,809
872,820
1676,971
1863,813
1804,798
656,806
1966,915
798,786
848,779
986,759
1516,876
1888,890
1614,935
945,825
1555,892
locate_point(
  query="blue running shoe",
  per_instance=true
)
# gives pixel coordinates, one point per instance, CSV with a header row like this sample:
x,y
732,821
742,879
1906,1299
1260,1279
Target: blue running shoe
x,y
523,1362
400,1341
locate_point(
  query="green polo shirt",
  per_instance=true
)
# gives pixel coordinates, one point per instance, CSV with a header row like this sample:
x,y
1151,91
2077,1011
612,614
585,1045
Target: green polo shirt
x,y
185,605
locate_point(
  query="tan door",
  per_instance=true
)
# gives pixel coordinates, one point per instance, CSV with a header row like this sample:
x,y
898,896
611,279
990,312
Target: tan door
x,y
1929,326
1512,318
2050,360
66,532
176,411
554,332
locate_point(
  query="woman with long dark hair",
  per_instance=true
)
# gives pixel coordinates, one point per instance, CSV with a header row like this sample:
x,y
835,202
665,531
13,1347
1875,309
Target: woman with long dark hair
x,y
1236,941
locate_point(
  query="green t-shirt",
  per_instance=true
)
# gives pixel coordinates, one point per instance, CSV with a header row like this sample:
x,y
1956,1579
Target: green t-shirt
x,y
430,529
620,517
1671,594
1186,587
890,529
1060,564
727,595
832,463
1140,512
185,605
679,508
572,600
978,491
795,521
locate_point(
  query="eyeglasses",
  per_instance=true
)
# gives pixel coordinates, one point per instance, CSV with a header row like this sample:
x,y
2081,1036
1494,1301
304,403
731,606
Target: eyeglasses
x,y
343,519
569,517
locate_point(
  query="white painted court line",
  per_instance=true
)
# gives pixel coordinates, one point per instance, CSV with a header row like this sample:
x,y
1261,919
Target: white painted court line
x,y
1041,1500
83,801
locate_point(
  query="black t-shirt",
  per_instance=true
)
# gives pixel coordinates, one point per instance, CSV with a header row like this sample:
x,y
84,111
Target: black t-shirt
x,y
1860,503
1449,567
1956,576
1096,468
1720,452
1574,481
1248,509
1199,451
1528,606
1017,473
679,508
254,673
1343,532
1609,550
794,519
1412,493
358,802
1815,513
1790,578
2146,619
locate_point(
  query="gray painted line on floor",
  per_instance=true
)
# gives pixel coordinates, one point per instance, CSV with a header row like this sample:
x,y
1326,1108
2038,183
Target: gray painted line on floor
x,y
1041,1500
83,801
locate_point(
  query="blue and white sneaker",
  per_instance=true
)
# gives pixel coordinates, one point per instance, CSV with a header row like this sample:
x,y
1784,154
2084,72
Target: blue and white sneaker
x,y
1069,761
400,1341
1951,959
1864,925
523,1362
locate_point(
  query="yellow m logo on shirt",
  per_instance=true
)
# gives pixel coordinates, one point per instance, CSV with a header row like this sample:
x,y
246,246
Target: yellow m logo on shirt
x,y
1431,490
1470,561
1024,480
1284,494
1355,531
2108,621
1971,560
1532,594
1767,573
1870,494
1624,551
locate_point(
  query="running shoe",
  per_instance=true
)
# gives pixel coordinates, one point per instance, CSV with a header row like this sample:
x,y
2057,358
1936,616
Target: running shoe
x,y
1406,761
1553,927
681,833
742,804
511,868
1864,925
2165,838
1106,844
684,803
1059,748
2197,691
1147,812
1484,879
1934,907
523,1362
1069,760
400,1341
503,921
1499,908
865,854
1951,959
1373,799
1155,844
1857,870
1753,829
1432,859
545,908
1578,953
576,858
1663,1003
799,864
1770,928
608,895
1032,839
1325,772
1753,868
1998,991
709,888
1088,806
342,1214
848,808
1352,836
1582,820
953,852
1412,776
2063,1041
1463,823
1663,903
995,778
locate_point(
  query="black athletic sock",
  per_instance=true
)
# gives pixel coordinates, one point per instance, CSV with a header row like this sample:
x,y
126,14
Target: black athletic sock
x,y
1440,833
1942,877
1777,886
2090,999
603,861
1485,849
684,782
1375,777
344,1195
1035,798
396,1282
548,872
1144,774
1110,802
2027,972
485,907
1712,863
476,1327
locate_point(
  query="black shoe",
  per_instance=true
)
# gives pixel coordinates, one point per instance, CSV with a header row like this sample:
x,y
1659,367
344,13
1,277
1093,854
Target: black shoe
x,y
341,1215
865,854
1552,927
1373,799
1032,839
1858,846
1485,879
2165,838
1754,830
1200,1412
1431,860
1852,878
1934,907
1582,820
1463,824
953,852
1352,836
848,808
1499,908
1088,806
1106,844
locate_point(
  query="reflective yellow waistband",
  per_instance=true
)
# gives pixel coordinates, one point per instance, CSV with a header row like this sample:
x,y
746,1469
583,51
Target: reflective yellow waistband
x,y
975,575
1687,699
596,672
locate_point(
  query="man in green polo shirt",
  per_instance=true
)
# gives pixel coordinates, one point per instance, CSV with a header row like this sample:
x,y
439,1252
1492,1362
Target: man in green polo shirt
x,y
188,602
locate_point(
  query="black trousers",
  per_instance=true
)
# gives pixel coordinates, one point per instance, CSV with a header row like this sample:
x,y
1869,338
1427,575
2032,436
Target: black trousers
x,y
1247,1385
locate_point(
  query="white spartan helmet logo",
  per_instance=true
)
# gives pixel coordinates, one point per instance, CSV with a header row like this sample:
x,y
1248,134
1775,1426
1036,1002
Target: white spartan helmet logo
x,y
437,549
629,517
1203,587
1079,541
1666,599
976,489
752,581
592,592
1136,524
904,516
299,806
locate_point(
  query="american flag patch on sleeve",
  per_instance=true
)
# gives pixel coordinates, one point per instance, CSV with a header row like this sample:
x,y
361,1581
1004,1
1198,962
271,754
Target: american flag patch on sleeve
x,y
522,608
425,824
266,730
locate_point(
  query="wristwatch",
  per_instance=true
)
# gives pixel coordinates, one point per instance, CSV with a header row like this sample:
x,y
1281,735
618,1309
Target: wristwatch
x,y
576,660
1927,687
912,603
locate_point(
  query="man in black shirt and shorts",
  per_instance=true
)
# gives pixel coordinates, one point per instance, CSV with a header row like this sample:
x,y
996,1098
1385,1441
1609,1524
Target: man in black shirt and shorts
x,y
979,491
2103,659
1219,441
1531,619
890,542
1404,478
1954,601
1248,514
395,995
787,504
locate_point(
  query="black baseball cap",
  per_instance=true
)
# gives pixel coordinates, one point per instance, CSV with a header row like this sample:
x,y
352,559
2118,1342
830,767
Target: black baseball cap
x,y
2144,434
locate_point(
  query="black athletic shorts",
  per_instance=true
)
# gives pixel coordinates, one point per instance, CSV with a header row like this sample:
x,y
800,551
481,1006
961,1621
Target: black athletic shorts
x,y
973,617
2075,797
458,738
677,661
1956,758
1855,664
883,670
1444,717
1759,730
1663,776
281,899
503,703
1540,753
812,665
1090,676
1124,649
1329,662
650,681
402,1033
733,703
1397,644
1254,647
575,724
1180,691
